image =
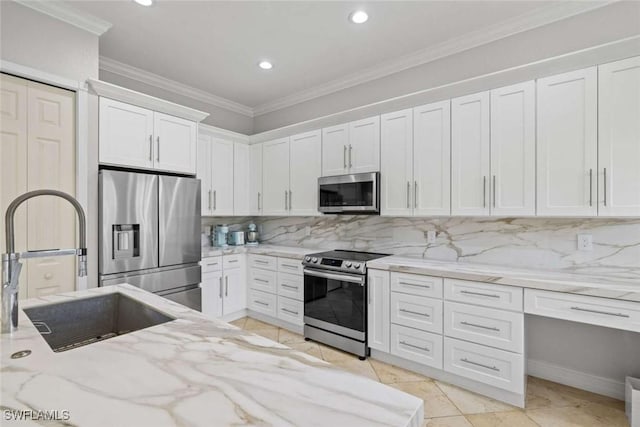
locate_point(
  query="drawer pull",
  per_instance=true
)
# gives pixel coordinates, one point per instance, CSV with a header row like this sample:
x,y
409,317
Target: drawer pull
x,y
471,362
414,312
489,328
480,294
600,312
415,346
261,261
257,279
289,286
290,266
261,303
414,284
295,313
232,260
212,264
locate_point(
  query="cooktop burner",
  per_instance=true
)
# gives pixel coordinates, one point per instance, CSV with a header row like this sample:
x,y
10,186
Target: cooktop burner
x,y
341,260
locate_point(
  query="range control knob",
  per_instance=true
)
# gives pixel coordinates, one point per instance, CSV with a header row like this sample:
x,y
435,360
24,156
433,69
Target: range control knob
x,y
348,264
307,258
356,265
314,259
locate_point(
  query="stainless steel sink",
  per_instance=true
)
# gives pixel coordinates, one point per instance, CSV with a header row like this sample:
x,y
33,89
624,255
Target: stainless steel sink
x,y
72,324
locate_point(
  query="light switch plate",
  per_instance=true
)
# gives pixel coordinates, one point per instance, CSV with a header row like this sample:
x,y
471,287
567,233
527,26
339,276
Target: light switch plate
x,y
585,242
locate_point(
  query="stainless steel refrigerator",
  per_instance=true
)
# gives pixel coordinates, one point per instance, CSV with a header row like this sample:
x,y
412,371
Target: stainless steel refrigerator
x,y
150,234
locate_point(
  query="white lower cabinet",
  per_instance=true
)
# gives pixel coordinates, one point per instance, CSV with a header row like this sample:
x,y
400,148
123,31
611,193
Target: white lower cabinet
x,y
486,294
223,284
378,324
290,310
418,346
262,302
416,312
291,286
211,286
263,280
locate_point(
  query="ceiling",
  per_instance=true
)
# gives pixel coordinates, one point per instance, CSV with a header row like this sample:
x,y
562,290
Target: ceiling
x,y
214,46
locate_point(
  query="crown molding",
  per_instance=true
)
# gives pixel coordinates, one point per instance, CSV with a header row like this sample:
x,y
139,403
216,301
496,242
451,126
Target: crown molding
x,y
223,133
146,77
534,19
69,14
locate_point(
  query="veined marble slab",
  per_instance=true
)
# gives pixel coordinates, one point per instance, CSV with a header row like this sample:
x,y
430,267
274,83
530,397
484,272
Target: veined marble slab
x,y
292,252
190,372
582,284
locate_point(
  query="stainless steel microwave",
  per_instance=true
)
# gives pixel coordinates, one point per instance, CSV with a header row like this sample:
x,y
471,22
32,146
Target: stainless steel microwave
x,y
355,193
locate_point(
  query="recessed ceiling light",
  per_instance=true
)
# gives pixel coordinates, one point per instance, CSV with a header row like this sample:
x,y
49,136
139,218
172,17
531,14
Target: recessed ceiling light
x,y
144,2
265,65
359,17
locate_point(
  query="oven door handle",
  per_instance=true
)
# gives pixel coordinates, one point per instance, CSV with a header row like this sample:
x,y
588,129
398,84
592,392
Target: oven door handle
x,y
335,276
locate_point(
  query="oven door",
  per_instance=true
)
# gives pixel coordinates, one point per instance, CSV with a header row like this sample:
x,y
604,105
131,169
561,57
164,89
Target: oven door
x,y
358,193
336,302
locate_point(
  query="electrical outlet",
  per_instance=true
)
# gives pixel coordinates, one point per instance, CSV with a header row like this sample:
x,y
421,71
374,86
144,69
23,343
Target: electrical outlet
x,y
585,242
431,236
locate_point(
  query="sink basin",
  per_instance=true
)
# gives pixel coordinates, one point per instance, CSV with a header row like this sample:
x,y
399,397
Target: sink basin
x,y
72,324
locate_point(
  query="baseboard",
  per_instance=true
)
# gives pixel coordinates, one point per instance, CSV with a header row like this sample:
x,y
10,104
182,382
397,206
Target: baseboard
x,y
577,379
298,329
235,315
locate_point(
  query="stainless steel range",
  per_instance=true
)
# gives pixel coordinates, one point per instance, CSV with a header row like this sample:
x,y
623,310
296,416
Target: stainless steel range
x,y
335,299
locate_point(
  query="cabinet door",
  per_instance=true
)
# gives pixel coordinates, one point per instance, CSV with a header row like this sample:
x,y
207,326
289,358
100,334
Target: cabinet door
x,y
363,153
470,155
513,150
176,143
275,177
396,172
378,320
125,134
222,177
619,138
235,291
432,159
567,144
241,187
335,145
212,291
205,143
255,179
305,161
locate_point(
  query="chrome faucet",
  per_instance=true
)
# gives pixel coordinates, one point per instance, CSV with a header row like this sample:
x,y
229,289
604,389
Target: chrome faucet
x,y
11,260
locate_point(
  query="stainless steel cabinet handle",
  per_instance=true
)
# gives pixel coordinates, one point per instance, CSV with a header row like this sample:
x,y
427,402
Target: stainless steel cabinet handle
x,y
289,266
414,346
258,200
590,187
605,186
489,328
289,286
261,280
226,286
150,147
414,312
158,153
408,194
209,199
607,313
350,163
261,261
471,362
286,195
480,294
232,260
484,191
415,194
261,303
290,199
220,287
212,264
494,191
415,284
344,156
215,200
290,311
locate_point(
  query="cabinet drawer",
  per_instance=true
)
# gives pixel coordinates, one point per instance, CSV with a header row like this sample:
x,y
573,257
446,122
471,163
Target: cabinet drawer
x,y
415,284
291,286
232,261
264,262
290,310
416,312
263,280
288,265
487,365
418,346
487,326
585,309
480,293
262,302
211,264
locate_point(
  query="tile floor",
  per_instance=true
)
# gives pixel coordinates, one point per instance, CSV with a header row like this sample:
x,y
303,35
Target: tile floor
x,y
548,404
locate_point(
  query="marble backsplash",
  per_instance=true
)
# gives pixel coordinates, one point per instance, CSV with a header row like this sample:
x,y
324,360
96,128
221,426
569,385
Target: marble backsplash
x,y
545,243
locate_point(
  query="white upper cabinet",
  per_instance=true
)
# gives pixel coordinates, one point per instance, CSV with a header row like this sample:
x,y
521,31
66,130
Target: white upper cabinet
x,y
126,134
396,173
176,143
241,179
432,159
513,150
335,145
222,176
305,168
567,144
255,179
470,154
619,138
204,173
275,177
363,152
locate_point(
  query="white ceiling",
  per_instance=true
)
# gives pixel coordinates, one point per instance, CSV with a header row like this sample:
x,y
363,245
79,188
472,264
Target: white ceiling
x,y
214,46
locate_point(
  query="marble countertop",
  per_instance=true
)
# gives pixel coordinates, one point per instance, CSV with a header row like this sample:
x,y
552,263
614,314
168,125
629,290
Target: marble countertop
x,y
272,250
192,371
583,284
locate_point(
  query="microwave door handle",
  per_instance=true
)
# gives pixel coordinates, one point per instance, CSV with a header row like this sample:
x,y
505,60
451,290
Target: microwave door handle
x,y
335,276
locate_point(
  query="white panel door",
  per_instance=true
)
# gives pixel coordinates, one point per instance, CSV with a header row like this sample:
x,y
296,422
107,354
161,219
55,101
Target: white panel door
x,y
222,176
125,134
619,138
255,179
432,159
378,316
212,291
176,143
567,144
335,145
470,155
203,173
513,150
305,160
235,291
275,177
363,152
396,168
241,179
